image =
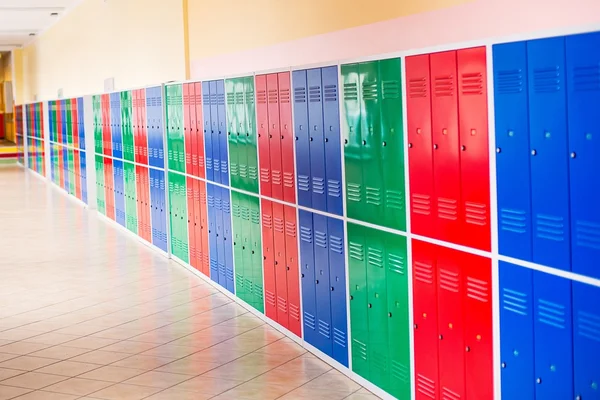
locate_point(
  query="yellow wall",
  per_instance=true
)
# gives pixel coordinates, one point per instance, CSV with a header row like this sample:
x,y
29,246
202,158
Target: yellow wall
x,y
236,25
138,42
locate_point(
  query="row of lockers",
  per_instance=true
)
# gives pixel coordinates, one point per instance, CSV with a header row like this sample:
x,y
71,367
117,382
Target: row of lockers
x,y
36,155
34,115
67,123
68,170
134,196
128,125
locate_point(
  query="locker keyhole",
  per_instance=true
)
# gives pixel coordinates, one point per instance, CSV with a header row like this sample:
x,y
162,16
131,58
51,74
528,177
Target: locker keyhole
x,y
345,141
410,145
503,365
370,305
533,152
435,146
573,155
498,150
463,147
538,381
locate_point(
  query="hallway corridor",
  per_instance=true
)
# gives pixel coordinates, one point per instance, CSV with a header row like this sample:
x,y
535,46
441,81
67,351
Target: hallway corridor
x,y
88,312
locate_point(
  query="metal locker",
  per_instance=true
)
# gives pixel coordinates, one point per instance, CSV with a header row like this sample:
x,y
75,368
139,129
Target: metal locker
x,y
281,289
135,124
220,237
153,206
269,259
351,129
331,123
183,218
316,140
451,301
138,200
392,145
81,115
160,224
262,115
307,267
251,151
273,106
147,220
357,283
229,272
222,132
160,127
109,188
190,221
119,193
173,214
287,137
548,141
337,281
302,137
208,130
75,123
143,127
241,129
446,159
291,267
322,284
586,340
584,150
84,192
513,177
256,254
553,336
478,331
149,104
233,132
215,120
516,331
198,242
188,110
238,243
118,150
474,156
243,266
199,136
203,229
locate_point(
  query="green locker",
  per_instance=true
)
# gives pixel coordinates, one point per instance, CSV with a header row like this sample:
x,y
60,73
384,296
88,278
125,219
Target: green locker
x,y
238,234
175,144
100,196
71,172
233,133
242,126
183,222
251,148
69,123
97,106
256,254
130,197
173,214
247,249
357,282
126,126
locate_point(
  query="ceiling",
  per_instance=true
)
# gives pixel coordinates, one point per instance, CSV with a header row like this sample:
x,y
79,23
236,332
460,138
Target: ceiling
x,y
19,19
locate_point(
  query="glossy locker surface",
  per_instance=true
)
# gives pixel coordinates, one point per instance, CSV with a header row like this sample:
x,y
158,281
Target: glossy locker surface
x,y
198,140
120,216
333,155
287,137
262,115
281,283
316,140
116,125
157,198
322,284
234,120
302,138
357,279
191,230
109,188
586,340
207,130
307,270
291,268
338,283
222,132
214,123
154,106
274,130
175,134
229,270
268,252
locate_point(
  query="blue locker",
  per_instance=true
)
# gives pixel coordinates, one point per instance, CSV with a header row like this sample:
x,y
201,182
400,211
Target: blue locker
x,y
63,112
301,129
323,286
162,194
151,179
548,140
214,123
583,84
159,115
516,332
307,269
222,132
553,337
83,169
337,276
317,139
66,169
119,184
212,232
208,129
333,151
117,127
586,340
150,127
220,236
512,151
227,240
81,116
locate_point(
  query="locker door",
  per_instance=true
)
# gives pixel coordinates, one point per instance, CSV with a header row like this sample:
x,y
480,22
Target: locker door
x,y
512,151
307,262
109,187
446,163
287,138
238,243
84,192
143,127
242,132
229,272
331,123
251,152
212,231
188,109
204,229
75,123
451,290
191,218
150,126
233,132
586,340
323,286
392,145
262,115
357,282
584,147
138,199
370,80
153,205
81,123
208,130
337,281
220,237
273,106
474,156
148,221
214,111
222,132
119,193
281,287
160,127
199,137
137,136
351,126
316,140
397,308
269,259
302,135
118,127
553,337
173,214
291,266
516,331
162,189
197,226
256,255
479,368
377,308
548,140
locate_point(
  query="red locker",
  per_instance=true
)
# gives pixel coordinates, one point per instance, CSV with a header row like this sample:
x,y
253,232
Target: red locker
x,y
205,256
287,138
281,288
293,279
77,174
191,219
136,124
197,226
138,189
420,152
269,260
474,158
479,353
274,136
59,130
188,110
425,320
199,136
446,161
109,188
264,155
106,131
451,324
143,128
74,124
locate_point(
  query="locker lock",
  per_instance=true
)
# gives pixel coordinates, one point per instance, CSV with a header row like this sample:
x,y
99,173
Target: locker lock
x,y
467,349
317,281
264,257
276,262
332,288
288,268
351,297
573,155
345,141
270,136
326,140
370,305
281,137
415,326
498,150
311,138
533,152
410,145
364,142
503,365
384,144
243,247
578,397
463,147
441,337
303,277
252,251
538,380
390,314
435,146
297,138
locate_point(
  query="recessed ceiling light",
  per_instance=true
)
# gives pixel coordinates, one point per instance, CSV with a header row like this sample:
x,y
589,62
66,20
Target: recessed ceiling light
x,y
54,14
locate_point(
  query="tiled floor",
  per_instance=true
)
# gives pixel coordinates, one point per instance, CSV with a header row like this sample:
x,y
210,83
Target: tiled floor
x,y
87,312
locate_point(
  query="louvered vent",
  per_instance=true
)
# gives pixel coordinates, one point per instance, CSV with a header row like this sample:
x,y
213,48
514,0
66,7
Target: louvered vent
x,y
330,92
444,86
547,80
510,81
350,91
417,88
471,83
390,90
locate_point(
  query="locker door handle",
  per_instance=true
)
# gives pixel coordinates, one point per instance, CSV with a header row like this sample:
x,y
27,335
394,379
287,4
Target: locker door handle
x,y
573,155
498,150
288,268
345,141
370,305
435,146
384,144
317,281
533,152
538,381
332,288
503,365
351,297
468,349
326,140
303,275
311,139
441,337
415,326
296,138
390,314
463,147
364,142
410,145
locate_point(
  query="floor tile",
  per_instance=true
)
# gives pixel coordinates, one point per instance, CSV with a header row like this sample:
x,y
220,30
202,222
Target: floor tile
x,y
41,395
101,357
112,374
52,338
158,379
90,343
27,363
33,380
9,392
22,348
68,368
208,385
256,391
125,392
6,373
147,363
59,352
174,393
78,386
